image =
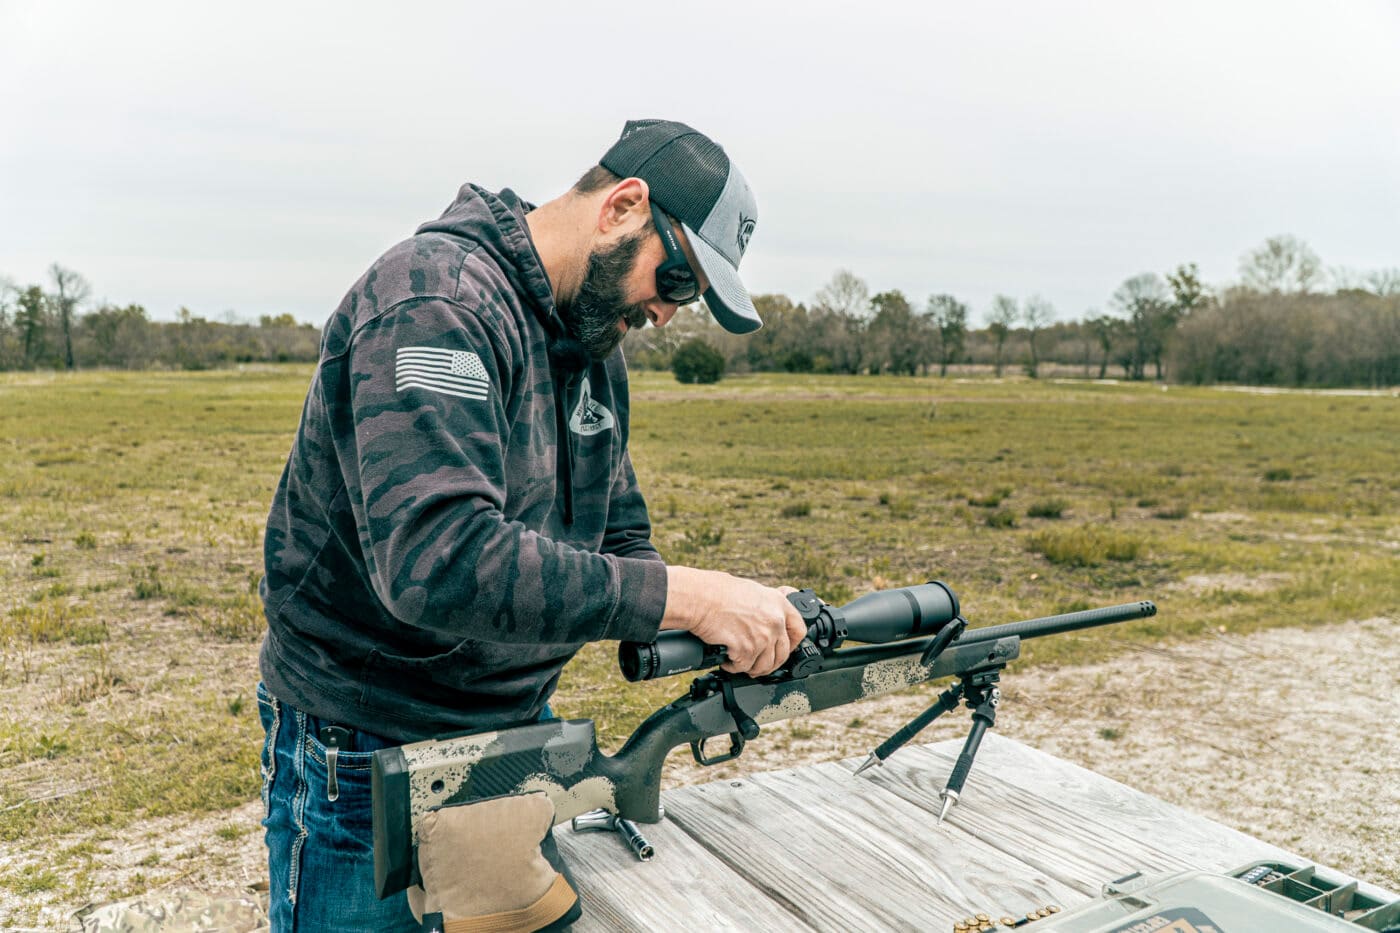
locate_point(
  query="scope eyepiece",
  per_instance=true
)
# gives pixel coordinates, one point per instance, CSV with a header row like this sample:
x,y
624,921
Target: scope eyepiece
x,y
875,618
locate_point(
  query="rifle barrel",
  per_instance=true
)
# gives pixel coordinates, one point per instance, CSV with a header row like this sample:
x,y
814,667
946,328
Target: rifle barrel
x,y
1067,622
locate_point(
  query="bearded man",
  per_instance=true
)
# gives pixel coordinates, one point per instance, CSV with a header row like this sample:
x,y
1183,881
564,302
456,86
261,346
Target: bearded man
x,y
459,514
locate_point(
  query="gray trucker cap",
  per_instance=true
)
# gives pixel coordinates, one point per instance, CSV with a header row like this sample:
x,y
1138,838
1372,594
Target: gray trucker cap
x,y
692,179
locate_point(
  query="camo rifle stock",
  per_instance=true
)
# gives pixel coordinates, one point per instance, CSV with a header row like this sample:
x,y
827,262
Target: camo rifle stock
x,y
562,759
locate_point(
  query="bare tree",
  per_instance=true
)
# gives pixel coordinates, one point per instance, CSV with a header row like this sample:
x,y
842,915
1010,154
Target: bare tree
x,y
1087,339
1111,335
1283,263
1003,317
846,295
840,313
1384,282
70,290
1144,299
1381,282
1037,313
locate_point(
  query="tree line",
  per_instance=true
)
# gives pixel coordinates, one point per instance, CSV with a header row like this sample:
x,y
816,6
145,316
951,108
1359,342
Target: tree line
x,y
1287,321
55,326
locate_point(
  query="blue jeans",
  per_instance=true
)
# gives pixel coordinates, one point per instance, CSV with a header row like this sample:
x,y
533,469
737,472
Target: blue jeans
x,y
320,853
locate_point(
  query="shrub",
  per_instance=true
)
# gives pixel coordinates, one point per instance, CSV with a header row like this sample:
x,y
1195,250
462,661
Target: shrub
x,y
696,361
1001,518
797,361
700,536
1085,546
1047,508
991,500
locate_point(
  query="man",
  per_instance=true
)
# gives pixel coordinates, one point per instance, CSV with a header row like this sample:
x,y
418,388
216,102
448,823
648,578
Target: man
x,y
459,515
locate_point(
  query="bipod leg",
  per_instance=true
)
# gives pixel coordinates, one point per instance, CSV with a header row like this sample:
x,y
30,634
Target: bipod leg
x,y
947,702
983,695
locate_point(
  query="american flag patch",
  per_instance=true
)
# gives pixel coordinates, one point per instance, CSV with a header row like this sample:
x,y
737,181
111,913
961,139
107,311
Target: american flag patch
x,y
453,372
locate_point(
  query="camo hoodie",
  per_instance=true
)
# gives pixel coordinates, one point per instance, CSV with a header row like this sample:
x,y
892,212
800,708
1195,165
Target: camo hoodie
x,y
457,516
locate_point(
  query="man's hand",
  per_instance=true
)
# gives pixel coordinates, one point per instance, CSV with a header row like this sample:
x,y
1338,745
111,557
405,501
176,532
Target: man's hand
x,y
757,625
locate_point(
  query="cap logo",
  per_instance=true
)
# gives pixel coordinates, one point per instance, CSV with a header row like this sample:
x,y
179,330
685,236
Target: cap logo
x,y
746,225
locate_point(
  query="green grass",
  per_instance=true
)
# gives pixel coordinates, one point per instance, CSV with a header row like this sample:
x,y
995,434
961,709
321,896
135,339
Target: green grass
x,y
1047,508
132,506
1085,546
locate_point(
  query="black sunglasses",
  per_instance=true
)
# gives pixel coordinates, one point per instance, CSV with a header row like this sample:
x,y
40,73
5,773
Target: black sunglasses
x,y
675,280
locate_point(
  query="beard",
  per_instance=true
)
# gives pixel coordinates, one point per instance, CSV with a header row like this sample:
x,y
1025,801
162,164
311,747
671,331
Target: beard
x,y
593,313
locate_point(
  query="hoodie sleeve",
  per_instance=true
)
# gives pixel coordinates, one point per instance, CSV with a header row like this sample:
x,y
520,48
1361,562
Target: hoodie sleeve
x,y
421,422
629,525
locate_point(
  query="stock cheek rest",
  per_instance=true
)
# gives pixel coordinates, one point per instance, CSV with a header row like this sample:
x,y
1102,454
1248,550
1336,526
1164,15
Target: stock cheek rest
x,y
485,868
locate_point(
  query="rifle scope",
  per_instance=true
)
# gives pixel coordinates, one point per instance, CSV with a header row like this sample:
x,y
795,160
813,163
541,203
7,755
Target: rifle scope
x,y
875,618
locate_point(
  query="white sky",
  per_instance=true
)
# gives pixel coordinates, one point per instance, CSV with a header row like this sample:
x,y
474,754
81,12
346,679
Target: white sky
x,y
256,157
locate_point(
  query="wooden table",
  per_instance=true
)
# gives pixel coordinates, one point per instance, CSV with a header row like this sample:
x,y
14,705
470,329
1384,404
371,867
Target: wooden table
x,y
817,848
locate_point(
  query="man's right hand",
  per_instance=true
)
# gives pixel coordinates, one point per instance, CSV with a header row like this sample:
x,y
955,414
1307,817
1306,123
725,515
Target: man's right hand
x,y
757,625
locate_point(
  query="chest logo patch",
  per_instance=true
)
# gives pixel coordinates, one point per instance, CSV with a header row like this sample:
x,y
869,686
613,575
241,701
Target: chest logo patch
x,y
589,416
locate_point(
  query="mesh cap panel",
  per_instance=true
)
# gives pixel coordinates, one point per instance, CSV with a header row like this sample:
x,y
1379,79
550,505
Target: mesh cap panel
x,y
684,169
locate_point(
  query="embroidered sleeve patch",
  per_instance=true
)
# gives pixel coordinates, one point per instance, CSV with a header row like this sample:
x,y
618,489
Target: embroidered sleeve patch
x,y
451,372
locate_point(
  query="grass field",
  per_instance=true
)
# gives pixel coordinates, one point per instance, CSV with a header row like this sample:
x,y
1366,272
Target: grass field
x,y
131,511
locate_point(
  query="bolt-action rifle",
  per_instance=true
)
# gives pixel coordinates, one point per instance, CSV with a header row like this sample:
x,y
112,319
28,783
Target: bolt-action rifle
x,y
911,635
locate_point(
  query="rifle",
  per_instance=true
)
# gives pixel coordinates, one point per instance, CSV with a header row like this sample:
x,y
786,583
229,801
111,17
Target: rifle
x,y
911,635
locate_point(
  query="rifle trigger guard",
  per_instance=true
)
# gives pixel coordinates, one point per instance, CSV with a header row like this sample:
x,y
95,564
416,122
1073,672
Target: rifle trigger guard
x,y
736,748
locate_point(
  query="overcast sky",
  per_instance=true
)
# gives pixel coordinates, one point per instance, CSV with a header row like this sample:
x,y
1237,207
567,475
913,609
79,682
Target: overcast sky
x,y
256,157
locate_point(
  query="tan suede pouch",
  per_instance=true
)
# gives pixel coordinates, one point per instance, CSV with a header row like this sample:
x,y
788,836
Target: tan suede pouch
x,y
482,867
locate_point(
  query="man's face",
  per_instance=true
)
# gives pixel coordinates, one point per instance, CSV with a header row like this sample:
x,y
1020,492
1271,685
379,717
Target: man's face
x,y
596,315
619,291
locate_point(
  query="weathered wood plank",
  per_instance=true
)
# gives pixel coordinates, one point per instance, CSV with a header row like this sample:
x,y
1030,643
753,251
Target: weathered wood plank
x,y
1162,834
817,848
847,855
1102,832
1137,820
683,886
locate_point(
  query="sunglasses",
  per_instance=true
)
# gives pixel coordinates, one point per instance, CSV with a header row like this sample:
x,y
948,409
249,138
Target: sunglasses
x,y
675,280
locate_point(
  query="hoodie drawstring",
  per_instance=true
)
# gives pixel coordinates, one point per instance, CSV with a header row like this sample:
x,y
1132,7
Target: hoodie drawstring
x,y
566,449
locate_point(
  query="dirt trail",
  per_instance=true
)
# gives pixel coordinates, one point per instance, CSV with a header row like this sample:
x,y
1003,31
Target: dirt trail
x,y
1289,735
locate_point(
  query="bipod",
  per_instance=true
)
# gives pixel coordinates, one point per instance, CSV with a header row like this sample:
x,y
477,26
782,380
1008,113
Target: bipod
x,y
981,693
